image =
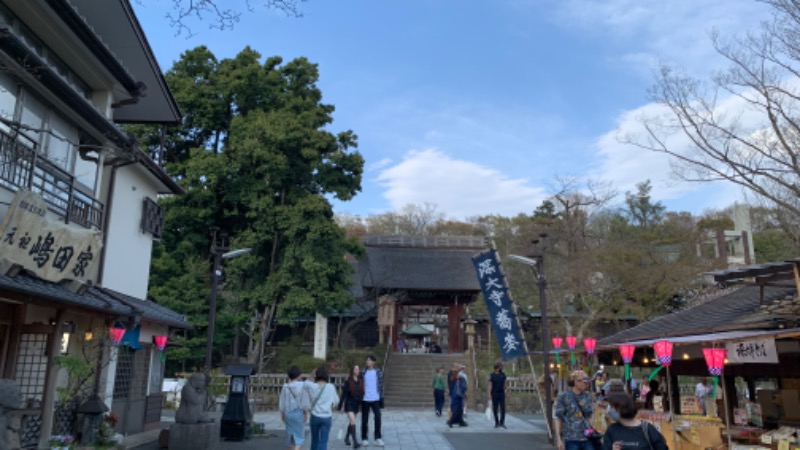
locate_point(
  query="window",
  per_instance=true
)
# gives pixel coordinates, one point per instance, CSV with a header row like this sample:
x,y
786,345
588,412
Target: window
x,y
8,98
61,142
32,117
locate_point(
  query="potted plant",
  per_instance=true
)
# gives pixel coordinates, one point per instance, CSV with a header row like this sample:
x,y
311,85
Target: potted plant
x,y
61,442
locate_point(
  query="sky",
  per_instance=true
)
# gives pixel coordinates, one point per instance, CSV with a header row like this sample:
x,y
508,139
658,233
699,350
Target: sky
x,y
481,106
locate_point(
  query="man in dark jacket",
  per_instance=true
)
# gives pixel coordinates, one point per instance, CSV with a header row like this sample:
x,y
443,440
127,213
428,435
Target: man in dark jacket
x,y
498,386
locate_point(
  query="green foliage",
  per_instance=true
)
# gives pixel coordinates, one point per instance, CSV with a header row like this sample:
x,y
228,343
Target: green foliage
x,y
715,224
774,245
79,370
256,159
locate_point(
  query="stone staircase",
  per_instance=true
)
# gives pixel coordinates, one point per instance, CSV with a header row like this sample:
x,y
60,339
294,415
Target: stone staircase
x,y
407,378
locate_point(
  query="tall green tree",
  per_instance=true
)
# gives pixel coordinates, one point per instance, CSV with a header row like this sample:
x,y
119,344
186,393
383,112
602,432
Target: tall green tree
x,y
257,160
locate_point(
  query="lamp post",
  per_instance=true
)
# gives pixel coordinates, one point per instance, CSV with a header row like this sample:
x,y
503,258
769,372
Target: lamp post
x,y
220,250
537,262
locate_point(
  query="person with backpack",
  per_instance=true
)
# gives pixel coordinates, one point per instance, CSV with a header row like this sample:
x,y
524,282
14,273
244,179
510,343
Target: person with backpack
x,y
628,432
457,399
438,383
294,404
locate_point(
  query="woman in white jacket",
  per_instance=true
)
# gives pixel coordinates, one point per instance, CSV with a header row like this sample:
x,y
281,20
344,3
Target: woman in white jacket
x,y
324,400
294,405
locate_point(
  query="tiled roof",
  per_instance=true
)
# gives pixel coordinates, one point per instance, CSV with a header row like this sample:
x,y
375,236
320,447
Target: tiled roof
x,y
95,298
438,263
729,312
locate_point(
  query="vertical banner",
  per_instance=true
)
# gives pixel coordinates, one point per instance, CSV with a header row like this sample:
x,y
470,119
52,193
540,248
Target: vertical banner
x,y
498,301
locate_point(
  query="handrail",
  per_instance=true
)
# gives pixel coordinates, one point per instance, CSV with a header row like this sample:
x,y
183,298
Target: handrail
x,y
22,167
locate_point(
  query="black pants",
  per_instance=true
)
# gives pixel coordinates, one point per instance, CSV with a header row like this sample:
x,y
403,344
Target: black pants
x,y
438,397
376,409
499,400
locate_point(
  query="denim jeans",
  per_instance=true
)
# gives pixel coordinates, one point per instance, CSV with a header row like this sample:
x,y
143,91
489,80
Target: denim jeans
x,y
578,445
376,409
320,430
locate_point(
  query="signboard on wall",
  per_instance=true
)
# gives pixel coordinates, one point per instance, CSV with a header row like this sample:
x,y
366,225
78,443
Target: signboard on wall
x,y
386,311
51,250
753,351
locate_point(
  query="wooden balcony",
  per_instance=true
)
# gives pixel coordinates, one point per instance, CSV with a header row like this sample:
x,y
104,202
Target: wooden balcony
x,y
21,167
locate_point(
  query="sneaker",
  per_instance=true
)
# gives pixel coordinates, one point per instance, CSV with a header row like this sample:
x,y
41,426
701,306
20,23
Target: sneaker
x,y
503,426
365,443
379,442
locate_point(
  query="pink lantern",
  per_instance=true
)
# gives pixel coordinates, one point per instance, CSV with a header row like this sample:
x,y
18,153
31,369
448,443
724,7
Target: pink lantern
x,y
627,353
571,341
663,352
116,334
590,344
627,357
715,359
557,342
161,342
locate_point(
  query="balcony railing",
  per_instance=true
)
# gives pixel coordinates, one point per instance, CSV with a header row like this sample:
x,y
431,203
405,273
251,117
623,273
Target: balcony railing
x,y
22,167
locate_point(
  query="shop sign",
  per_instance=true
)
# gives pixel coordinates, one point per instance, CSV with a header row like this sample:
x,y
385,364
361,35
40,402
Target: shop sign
x,y
690,405
51,250
321,337
753,351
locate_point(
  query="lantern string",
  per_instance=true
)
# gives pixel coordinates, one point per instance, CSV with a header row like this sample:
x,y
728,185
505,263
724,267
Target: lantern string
x,y
714,389
627,372
572,357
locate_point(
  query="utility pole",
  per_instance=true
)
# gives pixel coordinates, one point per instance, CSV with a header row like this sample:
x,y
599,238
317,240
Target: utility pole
x,y
218,247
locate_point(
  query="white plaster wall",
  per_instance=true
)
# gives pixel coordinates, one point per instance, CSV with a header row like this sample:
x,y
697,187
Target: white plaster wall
x,y
127,260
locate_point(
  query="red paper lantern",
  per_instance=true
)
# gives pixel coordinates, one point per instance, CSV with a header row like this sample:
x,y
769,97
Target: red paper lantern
x,y
627,353
161,342
590,344
571,341
715,359
663,352
116,334
557,342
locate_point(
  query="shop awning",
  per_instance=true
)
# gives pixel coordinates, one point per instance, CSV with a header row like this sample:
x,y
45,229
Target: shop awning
x,y
723,336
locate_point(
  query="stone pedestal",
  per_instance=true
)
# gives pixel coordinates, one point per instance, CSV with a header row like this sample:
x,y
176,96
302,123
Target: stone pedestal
x,y
196,436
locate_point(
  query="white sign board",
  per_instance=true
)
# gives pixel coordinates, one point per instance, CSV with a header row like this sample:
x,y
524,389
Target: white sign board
x,y
753,351
51,250
321,337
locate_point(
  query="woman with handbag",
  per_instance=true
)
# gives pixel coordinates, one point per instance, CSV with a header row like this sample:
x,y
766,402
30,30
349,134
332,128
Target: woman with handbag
x,y
628,432
352,394
293,405
325,399
572,414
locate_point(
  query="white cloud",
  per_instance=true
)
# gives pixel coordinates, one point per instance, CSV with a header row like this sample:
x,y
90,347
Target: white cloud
x,y
676,31
460,188
379,165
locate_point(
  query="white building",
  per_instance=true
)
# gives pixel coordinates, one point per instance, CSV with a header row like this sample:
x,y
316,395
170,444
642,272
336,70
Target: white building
x,y
77,198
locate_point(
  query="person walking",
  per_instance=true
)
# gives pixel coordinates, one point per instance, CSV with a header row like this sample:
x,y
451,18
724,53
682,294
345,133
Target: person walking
x,y
325,399
373,400
452,376
352,394
497,394
293,405
458,394
438,383
572,414
628,432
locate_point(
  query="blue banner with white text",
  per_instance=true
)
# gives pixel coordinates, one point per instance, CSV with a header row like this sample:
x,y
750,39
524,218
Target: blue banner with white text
x,y
498,301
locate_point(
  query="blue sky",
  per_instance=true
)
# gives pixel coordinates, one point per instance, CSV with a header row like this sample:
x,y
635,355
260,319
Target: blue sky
x,y
480,106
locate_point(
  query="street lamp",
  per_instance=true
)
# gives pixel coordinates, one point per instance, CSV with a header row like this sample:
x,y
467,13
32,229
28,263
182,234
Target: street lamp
x,y
537,262
220,250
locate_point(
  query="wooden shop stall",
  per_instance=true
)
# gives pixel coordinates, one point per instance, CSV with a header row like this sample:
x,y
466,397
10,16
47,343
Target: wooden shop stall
x,y
745,342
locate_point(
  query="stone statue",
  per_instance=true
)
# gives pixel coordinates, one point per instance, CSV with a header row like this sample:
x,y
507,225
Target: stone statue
x,y
10,399
193,401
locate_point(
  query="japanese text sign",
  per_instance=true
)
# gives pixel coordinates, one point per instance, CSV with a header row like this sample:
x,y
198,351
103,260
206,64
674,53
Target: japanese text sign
x,y
498,301
51,250
754,351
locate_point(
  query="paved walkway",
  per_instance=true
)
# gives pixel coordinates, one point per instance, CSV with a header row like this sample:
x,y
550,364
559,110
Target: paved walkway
x,y
406,430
